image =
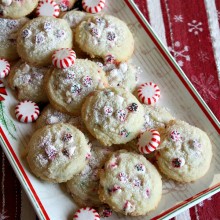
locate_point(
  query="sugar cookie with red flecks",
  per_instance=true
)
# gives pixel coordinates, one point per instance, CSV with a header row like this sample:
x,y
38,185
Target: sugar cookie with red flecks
x,y
17,9
8,36
28,81
132,186
40,37
84,186
68,88
185,153
113,116
101,35
57,152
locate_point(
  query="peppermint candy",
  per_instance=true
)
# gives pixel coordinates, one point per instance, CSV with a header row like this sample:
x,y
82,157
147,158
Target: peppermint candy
x,y
148,93
93,6
4,68
148,141
27,111
121,115
47,8
108,110
26,33
87,81
86,214
63,58
178,162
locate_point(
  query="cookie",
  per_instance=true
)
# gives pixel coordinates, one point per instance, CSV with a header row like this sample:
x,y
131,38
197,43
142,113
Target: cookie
x,y
130,184
84,186
68,88
40,37
28,81
185,153
113,116
16,9
57,152
101,35
8,37
122,75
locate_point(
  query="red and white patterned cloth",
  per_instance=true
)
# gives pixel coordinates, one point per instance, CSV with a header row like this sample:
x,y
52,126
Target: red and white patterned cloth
x,y
191,31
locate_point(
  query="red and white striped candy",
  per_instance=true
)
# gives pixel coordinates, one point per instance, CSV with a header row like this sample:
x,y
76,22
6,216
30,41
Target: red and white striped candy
x,y
148,141
63,58
93,6
148,93
27,111
4,68
86,214
48,8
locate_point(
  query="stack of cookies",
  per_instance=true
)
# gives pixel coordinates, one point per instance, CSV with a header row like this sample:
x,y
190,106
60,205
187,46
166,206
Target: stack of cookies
x,y
94,134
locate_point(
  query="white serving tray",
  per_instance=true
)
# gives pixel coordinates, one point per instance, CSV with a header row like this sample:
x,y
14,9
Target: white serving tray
x,y
178,95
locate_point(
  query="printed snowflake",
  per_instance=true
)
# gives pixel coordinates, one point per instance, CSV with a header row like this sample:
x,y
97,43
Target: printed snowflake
x,y
203,56
179,54
206,86
195,27
178,18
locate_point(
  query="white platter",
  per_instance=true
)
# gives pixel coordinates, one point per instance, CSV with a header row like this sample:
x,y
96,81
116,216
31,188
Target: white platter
x,y
178,95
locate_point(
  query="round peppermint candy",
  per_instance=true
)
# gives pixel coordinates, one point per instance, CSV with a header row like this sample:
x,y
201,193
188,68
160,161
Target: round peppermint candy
x,y
93,6
63,58
148,93
86,213
148,141
4,68
48,8
27,111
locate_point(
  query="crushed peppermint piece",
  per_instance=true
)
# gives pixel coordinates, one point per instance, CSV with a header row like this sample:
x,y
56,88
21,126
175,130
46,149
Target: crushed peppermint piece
x,y
140,167
39,38
69,152
108,110
87,81
114,189
136,182
47,26
51,152
70,75
147,195
60,33
178,162
96,32
26,33
12,24
88,156
105,211
195,144
128,207
133,107
76,88
123,177
111,36
121,115
109,59
124,133
67,138
175,136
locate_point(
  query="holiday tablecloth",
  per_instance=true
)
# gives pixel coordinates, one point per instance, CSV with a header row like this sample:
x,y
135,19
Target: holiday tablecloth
x,y
191,31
